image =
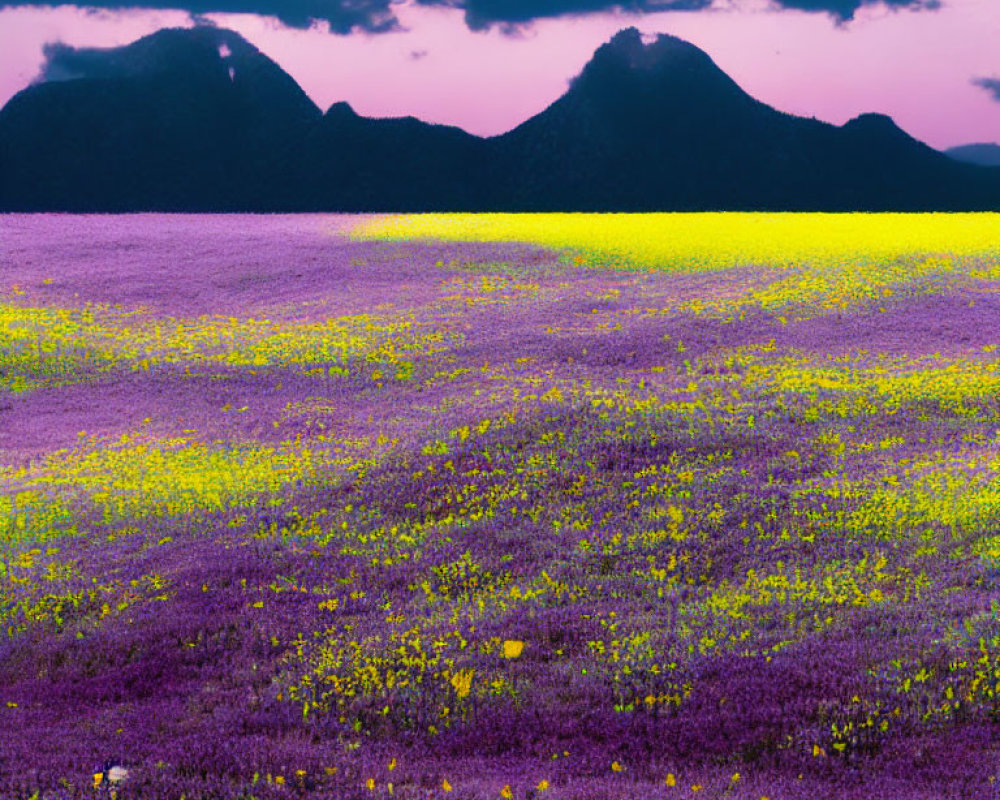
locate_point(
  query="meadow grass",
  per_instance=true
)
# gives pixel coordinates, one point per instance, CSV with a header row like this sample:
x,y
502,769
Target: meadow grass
x,y
710,241
685,506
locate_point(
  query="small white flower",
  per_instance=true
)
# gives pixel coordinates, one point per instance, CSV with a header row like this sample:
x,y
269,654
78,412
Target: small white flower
x,y
117,774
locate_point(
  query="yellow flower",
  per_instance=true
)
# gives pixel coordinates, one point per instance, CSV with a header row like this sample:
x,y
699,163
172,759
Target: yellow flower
x,y
512,648
98,777
542,785
462,681
696,787
445,785
370,783
330,770
670,780
506,793
279,779
616,767
818,751
392,765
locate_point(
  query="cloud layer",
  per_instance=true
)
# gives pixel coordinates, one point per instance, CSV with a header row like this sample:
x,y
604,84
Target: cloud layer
x,y
481,14
343,16
377,16
844,10
991,85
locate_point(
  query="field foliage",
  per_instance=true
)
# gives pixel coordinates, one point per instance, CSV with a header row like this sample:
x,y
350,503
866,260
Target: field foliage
x,y
677,506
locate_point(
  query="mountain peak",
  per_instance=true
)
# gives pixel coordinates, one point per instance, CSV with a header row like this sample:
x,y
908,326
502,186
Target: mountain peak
x,y
185,61
873,121
877,127
657,61
341,110
167,51
636,51
634,74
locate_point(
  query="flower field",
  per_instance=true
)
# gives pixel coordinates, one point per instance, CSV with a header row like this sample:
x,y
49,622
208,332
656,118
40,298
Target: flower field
x,y
595,507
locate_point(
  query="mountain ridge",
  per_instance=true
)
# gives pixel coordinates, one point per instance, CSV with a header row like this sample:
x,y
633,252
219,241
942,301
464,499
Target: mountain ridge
x,y
199,119
984,154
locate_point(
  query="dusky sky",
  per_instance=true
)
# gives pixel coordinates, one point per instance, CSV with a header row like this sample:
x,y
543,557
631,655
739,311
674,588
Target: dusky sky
x,y
487,65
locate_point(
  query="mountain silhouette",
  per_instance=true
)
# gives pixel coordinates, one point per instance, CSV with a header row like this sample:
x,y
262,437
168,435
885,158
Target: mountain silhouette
x,y
184,119
199,120
659,126
985,155
350,163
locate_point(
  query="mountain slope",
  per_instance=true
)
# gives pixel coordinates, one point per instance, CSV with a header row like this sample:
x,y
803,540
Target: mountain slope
x,y
660,127
643,122
882,168
193,119
199,120
351,163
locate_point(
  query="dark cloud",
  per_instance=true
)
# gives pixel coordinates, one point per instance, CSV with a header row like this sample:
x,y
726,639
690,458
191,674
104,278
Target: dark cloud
x,y
377,16
844,10
513,14
343,16
63,62
991,85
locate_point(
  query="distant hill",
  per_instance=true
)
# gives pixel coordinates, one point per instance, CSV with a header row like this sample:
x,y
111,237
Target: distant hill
x,y
985,155
198,119
184,119
660,126
351,163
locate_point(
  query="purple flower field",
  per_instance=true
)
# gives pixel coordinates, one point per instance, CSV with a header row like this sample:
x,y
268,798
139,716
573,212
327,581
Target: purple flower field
x,y
287,513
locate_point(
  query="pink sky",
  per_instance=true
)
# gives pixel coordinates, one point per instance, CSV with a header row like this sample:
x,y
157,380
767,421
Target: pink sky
x,y
915,66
